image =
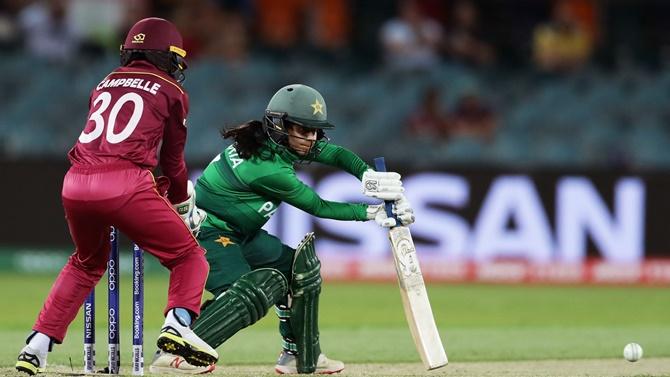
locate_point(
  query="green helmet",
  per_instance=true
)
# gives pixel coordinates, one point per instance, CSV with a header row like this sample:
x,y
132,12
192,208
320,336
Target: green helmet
x,y
299,104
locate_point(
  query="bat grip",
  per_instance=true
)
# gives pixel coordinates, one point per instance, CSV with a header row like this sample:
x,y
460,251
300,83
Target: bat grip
x,y
380,165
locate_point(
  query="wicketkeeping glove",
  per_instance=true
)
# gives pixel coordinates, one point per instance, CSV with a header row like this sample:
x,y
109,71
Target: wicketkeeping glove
x,y
382,185
192,215
377,213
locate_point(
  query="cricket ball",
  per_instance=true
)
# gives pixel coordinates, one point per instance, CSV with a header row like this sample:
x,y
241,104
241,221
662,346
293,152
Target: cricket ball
x,y
632,352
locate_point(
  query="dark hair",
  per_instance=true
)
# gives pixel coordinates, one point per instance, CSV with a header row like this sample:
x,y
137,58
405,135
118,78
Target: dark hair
x,y
249,137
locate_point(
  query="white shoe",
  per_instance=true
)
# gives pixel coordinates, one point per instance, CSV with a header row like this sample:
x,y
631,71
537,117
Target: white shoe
x,y
31,361
180,340
286,364
173,364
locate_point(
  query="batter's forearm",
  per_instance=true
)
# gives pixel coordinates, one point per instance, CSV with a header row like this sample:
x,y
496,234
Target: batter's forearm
x,y
338,211
343,159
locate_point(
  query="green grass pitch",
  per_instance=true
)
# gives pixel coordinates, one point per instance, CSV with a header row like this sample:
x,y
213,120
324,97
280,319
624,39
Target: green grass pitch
x,y
487,330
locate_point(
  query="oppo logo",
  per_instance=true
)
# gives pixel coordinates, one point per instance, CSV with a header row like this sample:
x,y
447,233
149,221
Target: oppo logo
x,y
112,323
112,272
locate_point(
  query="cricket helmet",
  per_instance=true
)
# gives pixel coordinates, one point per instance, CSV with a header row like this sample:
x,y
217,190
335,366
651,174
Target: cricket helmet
x,y
158,41
297,104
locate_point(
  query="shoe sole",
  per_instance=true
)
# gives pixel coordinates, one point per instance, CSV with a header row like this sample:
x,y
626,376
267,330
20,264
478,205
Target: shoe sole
x,y
170,370
26,367
284,371
178,346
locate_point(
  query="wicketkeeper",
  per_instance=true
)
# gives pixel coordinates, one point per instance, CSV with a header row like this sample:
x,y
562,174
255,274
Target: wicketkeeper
x,y
251,270
135,112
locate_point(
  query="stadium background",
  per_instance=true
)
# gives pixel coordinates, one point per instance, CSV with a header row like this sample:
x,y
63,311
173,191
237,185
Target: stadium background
x,y
532,137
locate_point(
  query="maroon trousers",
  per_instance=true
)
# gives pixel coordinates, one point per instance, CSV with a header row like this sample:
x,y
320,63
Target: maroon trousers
x,y
126,197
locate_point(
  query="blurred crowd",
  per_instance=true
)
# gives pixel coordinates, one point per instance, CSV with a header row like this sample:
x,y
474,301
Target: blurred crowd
x,y
60,30
552,35
549,39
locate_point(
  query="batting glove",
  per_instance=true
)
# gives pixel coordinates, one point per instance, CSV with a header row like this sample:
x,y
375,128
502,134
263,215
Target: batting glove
x,y
382,185
377,213
402,209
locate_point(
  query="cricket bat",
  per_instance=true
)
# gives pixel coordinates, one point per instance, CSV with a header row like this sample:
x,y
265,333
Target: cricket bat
x,y
413,292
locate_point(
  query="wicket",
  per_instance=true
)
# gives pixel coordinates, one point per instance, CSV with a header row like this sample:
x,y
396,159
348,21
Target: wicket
x,y
113,323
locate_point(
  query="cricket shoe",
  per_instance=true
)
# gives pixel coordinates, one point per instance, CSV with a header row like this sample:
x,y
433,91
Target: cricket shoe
x,y
31,361
173,364
180,340
287,364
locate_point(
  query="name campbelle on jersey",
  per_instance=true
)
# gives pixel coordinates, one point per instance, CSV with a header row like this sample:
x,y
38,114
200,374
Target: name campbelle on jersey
x,y
146,85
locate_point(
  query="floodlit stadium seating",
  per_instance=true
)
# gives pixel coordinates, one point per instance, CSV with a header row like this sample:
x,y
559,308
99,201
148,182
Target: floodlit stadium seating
x,y
593,119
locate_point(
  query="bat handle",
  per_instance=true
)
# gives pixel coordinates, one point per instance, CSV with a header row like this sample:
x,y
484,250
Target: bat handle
x,y
380,165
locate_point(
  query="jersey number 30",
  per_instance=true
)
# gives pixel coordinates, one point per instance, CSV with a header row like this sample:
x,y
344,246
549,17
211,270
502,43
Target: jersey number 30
x,y
110,135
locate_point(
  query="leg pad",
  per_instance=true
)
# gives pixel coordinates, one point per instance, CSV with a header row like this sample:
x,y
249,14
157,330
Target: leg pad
x,y
305,290
243,304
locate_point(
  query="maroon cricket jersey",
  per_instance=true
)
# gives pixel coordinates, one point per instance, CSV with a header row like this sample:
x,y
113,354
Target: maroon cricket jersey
x,y
134,111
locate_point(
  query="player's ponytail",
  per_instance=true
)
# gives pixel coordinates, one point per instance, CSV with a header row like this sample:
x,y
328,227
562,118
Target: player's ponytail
x,y
248,137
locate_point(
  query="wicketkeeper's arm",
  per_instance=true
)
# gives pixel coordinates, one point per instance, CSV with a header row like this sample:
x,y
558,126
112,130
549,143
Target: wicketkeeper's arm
x,y
172,161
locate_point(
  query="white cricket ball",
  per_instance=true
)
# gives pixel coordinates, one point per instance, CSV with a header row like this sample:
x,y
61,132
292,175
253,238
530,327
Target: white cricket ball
x,y
632,352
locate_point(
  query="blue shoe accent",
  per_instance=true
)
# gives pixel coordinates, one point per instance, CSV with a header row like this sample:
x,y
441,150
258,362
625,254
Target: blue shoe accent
x,y
183,316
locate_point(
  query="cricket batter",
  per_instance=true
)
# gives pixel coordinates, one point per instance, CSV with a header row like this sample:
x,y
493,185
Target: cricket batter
x,y
135,110
251,270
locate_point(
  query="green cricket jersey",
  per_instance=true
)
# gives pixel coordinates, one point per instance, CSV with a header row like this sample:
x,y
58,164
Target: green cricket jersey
x,y
241,195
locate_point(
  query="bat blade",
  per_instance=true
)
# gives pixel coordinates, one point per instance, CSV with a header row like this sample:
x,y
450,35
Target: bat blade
x,y
413,292
415,301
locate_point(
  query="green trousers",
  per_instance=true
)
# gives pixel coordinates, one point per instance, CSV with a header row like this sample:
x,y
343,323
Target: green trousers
x,y
231,256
